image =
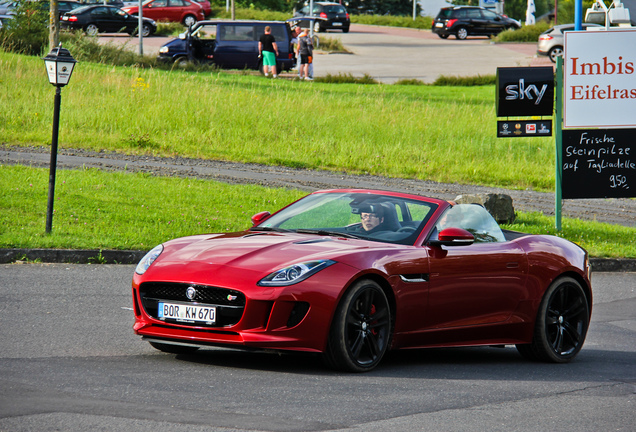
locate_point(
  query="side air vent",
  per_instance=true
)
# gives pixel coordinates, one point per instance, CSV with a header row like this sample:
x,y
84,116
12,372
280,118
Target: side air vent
x,y
415,278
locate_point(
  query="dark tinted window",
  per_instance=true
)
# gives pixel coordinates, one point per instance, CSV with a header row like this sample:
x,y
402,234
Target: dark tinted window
x,y
278,31
473,13
445,13
236,33
100,11
489,14
335,9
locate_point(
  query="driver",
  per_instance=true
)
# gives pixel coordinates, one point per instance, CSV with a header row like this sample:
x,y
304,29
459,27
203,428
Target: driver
x,y
372,218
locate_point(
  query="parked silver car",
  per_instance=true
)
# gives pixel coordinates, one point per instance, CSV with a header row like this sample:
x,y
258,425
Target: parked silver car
x,y
551,41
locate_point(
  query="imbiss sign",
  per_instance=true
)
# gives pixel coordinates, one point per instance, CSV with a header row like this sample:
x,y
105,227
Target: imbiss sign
x,y
599,114
599,79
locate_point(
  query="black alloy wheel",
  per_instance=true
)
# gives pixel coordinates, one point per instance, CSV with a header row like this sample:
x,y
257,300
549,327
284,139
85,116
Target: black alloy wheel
x,y
562,323
361,330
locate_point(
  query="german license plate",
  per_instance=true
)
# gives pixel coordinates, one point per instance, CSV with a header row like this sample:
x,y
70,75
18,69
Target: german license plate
x,y
182,312
336,24
439,24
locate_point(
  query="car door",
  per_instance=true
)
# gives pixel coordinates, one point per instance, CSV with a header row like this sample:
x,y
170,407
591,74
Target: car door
x,y
476,21
156,9
176,9
236,47
104,19
478,284
204,43
493,24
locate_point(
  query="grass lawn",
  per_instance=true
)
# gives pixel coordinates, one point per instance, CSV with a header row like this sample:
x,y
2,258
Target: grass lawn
x,y
106,210
445,134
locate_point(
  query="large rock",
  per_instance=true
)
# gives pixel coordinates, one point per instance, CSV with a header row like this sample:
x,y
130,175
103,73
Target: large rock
x,y
498,205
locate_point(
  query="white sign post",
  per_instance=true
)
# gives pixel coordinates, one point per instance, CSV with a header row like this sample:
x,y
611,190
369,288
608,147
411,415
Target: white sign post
x,y
595,116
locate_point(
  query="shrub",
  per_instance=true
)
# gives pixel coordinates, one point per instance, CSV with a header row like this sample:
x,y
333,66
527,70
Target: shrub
x,y
86,48
528,33
478,80
27,33
424,23
331,45
346,79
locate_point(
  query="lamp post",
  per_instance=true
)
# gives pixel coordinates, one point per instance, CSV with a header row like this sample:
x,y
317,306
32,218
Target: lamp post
x,y
59,65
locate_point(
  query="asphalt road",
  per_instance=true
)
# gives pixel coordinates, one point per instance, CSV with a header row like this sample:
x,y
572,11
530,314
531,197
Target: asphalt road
x,y
390,54
70,361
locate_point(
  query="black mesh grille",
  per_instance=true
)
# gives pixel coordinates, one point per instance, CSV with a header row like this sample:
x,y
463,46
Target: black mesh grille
x,y
229,303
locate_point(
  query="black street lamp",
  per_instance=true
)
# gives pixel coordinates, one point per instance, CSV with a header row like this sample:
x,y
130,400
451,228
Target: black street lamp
x,y
59,67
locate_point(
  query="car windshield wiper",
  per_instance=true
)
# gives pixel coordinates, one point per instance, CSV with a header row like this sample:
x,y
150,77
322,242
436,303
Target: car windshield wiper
x,y
327,233
274,229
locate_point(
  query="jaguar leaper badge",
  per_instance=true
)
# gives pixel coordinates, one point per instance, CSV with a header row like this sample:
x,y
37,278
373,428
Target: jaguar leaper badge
x,y
191,293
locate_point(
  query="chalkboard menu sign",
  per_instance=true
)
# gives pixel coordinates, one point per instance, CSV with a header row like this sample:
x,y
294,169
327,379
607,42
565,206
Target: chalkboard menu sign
x,y
599,163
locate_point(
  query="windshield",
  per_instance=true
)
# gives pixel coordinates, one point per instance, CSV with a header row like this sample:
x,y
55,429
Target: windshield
x,y
362,215
473,218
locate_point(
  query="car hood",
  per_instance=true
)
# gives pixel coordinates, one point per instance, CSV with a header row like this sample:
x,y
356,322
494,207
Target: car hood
x,y
248,256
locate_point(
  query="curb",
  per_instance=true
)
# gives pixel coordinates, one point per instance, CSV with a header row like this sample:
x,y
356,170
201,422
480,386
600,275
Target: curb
x,y
100,256
91,256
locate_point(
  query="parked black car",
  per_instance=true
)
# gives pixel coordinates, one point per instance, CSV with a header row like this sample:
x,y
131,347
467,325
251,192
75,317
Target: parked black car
x,y
229,44
63,6
105,19
332,16
464,21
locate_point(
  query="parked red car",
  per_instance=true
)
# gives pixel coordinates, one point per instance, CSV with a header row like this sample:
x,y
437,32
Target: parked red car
x,y
186,12
350,274
207,7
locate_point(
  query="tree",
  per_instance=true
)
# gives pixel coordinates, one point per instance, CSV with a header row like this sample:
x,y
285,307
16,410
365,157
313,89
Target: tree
x,y
54,24
27,32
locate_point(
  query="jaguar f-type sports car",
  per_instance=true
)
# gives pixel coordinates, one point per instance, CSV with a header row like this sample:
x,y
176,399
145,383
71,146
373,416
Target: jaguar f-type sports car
x,y
350,274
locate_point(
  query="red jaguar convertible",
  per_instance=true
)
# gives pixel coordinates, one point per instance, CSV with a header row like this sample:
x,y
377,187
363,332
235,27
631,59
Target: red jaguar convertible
x,y
350,274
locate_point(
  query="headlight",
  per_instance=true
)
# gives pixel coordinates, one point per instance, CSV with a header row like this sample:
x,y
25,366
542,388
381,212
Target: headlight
x,y
294,273
147,260
164,50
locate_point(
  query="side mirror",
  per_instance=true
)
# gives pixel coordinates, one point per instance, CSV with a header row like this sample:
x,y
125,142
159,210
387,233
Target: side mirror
x,y
182,36
260,217
453,237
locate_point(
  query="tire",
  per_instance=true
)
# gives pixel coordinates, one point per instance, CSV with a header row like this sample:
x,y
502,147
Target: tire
x,y
443,36
556,51
189,20
562,323
345,29
173,349
181,62
317,28
361,329
91,29
462,33
146,30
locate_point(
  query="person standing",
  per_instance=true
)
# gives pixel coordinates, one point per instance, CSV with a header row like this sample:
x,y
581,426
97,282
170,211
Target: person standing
x,y
268,49
296,31
306,52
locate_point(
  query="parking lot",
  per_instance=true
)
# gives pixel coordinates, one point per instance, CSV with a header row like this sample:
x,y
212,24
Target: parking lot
x,y
391,54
